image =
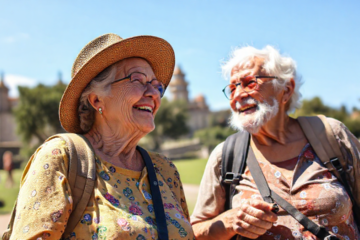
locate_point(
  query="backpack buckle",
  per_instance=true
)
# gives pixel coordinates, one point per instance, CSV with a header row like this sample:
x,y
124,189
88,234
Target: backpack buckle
x,y
331,237
231,177
336,164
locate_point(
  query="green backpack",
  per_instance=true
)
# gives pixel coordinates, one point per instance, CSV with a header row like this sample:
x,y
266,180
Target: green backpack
x,y
81,176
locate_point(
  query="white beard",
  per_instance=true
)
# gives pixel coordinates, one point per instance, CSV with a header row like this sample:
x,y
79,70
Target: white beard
x,y
252,122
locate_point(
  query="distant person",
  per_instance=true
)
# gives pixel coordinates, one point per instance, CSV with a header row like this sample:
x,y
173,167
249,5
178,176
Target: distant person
x,y
263,89
111,102
8,167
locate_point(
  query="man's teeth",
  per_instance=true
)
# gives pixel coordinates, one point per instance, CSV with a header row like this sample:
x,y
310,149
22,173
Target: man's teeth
x,y
246,108
145,108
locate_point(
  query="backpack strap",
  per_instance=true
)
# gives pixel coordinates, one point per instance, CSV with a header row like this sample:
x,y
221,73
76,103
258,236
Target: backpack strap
x,y
321,137
270,196
236,145
81,175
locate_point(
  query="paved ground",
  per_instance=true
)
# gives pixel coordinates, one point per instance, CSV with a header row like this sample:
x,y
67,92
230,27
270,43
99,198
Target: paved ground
x,y
4,220
191,192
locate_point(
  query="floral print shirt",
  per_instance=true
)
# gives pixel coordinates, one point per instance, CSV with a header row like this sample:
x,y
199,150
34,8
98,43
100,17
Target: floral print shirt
x,y
312,189
121,206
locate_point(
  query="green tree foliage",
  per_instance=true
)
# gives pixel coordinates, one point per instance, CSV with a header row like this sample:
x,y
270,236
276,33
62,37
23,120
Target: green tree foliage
x,y
212,136
315,106
170,122
37,115
220,118
218,131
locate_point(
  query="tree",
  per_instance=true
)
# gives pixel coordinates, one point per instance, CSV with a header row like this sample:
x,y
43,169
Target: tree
x,y
212,136
170,121
315,106
37,115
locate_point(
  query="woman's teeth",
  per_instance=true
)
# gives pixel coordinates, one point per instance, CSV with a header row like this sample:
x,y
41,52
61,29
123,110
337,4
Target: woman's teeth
x,y
145,108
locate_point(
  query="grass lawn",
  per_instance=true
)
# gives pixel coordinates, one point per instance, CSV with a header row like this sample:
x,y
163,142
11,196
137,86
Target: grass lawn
x,y
9,195
191,170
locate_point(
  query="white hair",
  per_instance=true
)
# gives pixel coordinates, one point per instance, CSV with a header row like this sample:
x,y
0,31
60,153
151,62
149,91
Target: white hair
x,y
101,86
253,122
274,64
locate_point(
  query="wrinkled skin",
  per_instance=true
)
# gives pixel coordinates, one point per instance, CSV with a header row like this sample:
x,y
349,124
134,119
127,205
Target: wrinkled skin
x,y
119,128
279,139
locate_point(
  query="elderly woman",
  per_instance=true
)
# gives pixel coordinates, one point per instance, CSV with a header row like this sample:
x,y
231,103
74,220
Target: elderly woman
x,y
112,99
263,90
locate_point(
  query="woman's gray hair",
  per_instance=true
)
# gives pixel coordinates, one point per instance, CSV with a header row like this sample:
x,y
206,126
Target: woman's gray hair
x,y
101,86
275,64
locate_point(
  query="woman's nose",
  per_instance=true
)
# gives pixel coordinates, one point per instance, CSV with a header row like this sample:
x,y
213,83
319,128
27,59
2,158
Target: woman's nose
x,y
151,90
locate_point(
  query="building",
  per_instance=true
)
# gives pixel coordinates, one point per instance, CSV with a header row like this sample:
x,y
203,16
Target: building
x,y
198,109
9,141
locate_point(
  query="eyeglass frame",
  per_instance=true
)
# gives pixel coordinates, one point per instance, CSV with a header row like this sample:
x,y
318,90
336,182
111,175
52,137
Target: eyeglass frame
x,y
239,84
129,77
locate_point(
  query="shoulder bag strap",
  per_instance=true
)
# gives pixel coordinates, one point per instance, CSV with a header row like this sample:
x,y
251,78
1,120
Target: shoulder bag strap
x,y
156,196
271,196
321,137
259,177
318,136
82,175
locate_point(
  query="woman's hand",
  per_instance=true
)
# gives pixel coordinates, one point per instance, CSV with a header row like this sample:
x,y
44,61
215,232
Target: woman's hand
x,y
253,218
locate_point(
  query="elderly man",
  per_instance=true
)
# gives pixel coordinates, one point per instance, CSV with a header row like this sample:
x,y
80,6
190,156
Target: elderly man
x,y
263,89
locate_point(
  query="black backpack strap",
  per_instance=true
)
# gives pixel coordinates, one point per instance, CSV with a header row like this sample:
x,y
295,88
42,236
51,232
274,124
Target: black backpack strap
x,y
235,145
259,177
271,196
156,196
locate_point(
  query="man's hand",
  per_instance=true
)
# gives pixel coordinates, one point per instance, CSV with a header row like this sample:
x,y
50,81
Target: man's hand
x,y
253,218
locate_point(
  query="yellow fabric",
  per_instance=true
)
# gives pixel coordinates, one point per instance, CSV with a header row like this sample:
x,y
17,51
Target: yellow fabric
x,y
120,208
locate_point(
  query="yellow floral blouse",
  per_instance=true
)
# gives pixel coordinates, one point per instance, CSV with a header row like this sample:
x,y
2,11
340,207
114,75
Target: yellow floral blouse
x,y
121,206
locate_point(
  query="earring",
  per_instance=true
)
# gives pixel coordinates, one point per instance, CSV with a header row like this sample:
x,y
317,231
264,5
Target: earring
x,y
100,111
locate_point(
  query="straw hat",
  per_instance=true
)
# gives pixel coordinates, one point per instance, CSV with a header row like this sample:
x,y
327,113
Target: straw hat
x,y
103,52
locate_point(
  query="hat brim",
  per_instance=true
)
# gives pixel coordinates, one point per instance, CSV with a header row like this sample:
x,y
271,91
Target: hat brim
x,y
156,51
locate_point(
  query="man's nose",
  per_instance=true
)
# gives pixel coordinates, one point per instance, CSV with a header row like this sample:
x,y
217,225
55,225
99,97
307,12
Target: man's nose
x,y
240,93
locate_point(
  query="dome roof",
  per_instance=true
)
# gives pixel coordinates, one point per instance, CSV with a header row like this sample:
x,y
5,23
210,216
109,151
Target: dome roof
x,y
2,84
200,99
178,77
178,71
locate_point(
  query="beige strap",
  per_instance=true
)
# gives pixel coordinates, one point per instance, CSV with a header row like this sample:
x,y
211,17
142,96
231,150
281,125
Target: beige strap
x,y
320,136
334,146
82,175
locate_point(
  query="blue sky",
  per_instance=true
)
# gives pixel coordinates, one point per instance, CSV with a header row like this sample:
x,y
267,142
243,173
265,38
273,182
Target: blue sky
x,y
40,38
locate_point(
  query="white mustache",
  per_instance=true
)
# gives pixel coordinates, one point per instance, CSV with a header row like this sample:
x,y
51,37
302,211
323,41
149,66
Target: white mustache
x,y
246,101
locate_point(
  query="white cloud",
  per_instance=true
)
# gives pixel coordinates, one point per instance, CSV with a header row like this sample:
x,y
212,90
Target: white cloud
x,y
15,38
13,81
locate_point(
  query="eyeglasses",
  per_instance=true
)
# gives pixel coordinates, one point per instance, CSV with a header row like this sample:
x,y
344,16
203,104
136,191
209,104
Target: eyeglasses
x,y
248,84
142,78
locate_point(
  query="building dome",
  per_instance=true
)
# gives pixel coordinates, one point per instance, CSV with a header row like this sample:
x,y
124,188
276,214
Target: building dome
x,y
2,84
178,78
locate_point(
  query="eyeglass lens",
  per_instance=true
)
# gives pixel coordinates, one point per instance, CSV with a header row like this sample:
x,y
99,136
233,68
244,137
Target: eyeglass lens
x,y
140,77
247,85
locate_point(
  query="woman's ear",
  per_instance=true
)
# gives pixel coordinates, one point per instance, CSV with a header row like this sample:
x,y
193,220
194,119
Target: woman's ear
x,y
95,101
289,90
